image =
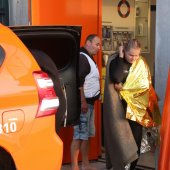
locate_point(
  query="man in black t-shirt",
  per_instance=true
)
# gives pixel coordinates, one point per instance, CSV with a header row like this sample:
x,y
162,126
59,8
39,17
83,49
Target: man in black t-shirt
x,y
89,91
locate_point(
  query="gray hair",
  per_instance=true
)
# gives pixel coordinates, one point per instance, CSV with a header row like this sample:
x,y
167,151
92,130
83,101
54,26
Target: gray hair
x,y
90,37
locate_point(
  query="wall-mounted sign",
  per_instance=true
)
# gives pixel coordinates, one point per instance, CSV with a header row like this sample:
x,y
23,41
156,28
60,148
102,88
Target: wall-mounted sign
x,y
127,12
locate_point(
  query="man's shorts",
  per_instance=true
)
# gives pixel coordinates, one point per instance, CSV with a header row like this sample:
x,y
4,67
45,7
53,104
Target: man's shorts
x,y
86,127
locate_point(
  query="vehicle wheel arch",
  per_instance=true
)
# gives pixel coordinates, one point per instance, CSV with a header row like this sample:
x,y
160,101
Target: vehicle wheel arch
x,y
6,160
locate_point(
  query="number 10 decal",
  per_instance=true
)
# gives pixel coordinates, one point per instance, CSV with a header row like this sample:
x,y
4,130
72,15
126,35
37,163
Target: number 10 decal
x,y
9,127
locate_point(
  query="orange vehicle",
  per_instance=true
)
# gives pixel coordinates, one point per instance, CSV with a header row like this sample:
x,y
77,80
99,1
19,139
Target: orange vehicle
x,y
35,62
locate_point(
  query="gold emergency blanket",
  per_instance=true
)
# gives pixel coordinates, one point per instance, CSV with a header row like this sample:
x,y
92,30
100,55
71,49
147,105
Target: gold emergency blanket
x,y
140,96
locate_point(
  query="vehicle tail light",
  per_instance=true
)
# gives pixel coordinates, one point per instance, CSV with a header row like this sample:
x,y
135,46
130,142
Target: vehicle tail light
x,y
48,101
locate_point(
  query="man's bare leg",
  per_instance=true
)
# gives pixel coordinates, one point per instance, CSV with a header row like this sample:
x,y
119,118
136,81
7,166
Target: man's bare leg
x,y
75,149
85,160
84,151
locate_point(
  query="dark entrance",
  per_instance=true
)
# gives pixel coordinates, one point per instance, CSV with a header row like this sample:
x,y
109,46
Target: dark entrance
x,y
4,12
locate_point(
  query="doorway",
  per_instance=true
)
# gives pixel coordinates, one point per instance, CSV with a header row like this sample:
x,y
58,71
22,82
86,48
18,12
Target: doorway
x,y
4,12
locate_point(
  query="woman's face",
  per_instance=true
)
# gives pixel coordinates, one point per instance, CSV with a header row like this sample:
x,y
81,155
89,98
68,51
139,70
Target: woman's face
x,y
132,55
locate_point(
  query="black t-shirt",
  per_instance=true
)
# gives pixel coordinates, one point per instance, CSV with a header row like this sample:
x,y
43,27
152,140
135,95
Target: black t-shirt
x,y
84,70
118,70
84,66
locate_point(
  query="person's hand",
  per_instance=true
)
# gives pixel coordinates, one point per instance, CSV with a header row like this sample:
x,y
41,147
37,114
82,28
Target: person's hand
x,y
84,106
121,53
118,86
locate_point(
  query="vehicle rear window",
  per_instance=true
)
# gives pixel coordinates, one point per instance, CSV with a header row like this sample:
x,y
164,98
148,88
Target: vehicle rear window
x,y
60,46
2,55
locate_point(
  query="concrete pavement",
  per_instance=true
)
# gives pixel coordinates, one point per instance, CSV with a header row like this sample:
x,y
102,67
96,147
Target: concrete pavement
x,y
146,162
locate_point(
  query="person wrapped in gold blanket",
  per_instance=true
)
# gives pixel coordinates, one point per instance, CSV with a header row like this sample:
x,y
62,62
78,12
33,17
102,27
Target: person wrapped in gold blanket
x,y
140,96
130,103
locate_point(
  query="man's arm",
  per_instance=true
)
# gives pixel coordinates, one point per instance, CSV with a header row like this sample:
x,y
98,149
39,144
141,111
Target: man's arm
x,y
84,106
84,69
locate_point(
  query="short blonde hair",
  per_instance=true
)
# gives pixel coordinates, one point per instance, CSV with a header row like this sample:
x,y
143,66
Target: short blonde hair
x,y
132,44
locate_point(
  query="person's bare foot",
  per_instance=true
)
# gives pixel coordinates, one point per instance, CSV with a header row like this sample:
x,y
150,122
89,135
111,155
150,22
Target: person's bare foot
x,y
75,167
88,167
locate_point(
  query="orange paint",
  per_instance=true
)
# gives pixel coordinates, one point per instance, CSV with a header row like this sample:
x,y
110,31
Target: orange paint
x,y
73,12
164,157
